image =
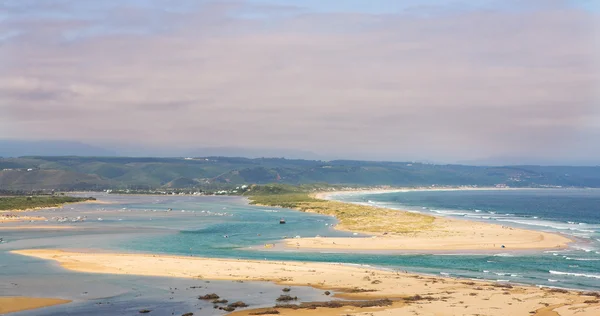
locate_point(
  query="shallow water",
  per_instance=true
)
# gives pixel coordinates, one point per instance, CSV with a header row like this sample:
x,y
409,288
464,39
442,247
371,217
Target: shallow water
x,y
96,294
228,227
573,212
130,219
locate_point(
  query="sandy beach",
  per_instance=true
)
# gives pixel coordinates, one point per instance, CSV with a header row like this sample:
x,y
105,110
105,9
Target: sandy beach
x,y
11,304
444,234
412,294
396,230
327,195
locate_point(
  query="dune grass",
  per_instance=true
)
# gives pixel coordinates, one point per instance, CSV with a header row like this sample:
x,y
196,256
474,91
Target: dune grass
x,y
31,202
352,217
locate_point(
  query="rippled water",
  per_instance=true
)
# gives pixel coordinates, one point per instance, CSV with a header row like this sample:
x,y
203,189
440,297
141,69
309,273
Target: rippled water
x,y
573,212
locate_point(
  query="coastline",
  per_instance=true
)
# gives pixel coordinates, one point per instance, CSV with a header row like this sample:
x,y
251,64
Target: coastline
x,y
410,293
446,235
9,216
11,304
326,195
413,234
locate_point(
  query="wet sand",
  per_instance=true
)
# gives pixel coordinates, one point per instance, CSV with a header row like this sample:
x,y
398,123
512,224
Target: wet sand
x,y
11,304
415,294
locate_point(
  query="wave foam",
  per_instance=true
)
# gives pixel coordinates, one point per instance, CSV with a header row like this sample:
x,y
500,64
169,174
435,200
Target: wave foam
x,y
583,259
595,276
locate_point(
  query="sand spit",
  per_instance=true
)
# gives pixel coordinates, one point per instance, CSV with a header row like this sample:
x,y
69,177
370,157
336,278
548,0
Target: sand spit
x,y
443,235
412,294
397,230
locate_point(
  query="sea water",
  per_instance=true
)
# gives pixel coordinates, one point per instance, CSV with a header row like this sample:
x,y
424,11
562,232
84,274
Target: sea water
x,y
228,227
572,212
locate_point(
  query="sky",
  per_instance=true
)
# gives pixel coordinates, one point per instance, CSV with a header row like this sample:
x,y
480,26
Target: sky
x,y
436,80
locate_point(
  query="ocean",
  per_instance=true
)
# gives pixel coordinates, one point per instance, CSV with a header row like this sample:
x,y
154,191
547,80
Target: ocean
x,y
573,212
228,227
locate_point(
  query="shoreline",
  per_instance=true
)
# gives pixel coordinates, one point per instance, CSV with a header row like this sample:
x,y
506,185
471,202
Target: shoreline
x,y
12,216
419,234
416,293
50,207
326,195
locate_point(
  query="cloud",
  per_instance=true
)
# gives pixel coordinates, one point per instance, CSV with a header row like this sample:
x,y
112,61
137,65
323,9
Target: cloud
x,y
454,84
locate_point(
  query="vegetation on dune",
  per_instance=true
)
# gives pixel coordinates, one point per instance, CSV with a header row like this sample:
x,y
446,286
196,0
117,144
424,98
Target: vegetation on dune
x,y
352,217
30,202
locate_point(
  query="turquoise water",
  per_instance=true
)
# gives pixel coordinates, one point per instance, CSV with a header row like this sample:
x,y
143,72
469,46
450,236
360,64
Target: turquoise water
x,y
115,227
573,212
229,227
576,267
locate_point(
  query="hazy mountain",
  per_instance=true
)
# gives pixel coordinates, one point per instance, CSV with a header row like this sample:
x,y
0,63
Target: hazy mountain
x,y
251,153
533,161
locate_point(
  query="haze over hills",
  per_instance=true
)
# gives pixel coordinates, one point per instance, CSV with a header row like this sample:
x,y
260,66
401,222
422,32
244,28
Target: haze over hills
x,y
78,173
17,148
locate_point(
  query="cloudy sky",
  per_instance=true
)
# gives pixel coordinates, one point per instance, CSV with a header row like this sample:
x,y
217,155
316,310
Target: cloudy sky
x,y
438,80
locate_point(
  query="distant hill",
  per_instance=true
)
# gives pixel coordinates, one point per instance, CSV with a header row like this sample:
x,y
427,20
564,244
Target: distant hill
x,y
14,148
71,172
49,180
181,183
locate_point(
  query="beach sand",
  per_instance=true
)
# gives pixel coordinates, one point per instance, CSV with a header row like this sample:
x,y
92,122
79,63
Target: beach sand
x,y
327,195
11,304
417,232
436,295
443,235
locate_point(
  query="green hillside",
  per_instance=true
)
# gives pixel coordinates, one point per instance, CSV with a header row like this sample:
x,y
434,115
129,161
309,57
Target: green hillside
x,y
30,202
90,173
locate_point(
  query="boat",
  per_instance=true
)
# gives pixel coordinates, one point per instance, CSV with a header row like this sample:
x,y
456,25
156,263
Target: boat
x,y
282,221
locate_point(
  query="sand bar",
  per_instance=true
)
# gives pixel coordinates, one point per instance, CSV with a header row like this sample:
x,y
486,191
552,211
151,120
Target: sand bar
x,y
328,195
11,304
443,235
438,296
396,230
11,218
